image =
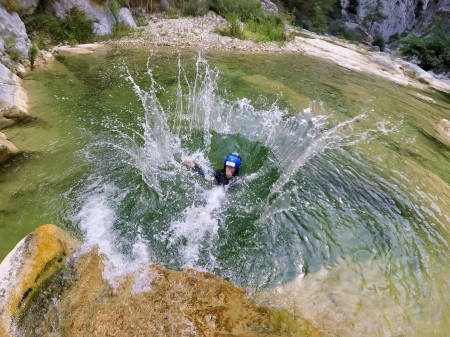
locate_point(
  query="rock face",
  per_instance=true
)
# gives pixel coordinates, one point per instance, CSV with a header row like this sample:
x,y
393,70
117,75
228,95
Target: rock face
x,y
27,268
101,16
43,292
13,98
387,17
126,18
13,35
7,149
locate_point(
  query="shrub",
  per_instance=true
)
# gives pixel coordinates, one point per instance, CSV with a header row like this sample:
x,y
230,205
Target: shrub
x,y
32,54
47,29
11,5
432,51
244,10
11,50
259,25
120,30
316,15
378,40
268,28
195,7
234,29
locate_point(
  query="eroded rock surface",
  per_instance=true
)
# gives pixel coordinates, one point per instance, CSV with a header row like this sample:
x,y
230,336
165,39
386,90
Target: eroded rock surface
x,y
13,98
45,292
7,149
27,269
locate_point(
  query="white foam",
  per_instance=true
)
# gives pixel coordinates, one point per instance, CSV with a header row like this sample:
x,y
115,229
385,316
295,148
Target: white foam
x,y
198,228
96,218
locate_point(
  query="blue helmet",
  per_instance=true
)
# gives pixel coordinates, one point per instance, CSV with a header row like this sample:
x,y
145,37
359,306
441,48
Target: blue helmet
x,y
232,160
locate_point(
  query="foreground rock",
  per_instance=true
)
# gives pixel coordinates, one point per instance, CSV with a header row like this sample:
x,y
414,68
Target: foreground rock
x,y
27,269
152,302
13,98
13,36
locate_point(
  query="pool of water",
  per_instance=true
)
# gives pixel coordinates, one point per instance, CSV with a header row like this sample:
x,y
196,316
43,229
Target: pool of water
x,y
341,211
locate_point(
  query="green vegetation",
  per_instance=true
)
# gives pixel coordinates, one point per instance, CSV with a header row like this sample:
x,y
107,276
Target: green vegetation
x,y
47,29
11,5
433,50
32,54
378,40
11,50
247,19
319,16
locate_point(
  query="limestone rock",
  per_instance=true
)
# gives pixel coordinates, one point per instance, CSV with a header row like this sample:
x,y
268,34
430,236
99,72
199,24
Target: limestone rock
x,y
154,301
13,35
393,17
174,303
44,58
100,15
13,98
79,49
443,127
7,149
269,6
27,268
126,18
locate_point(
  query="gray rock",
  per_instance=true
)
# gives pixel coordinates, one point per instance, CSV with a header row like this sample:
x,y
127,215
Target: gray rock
x,y
101,16
165,6
269,6
7,150
126,18
356,32
13,98
12,28
398,15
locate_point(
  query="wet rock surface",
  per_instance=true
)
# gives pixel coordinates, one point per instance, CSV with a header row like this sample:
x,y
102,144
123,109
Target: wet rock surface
x,y
46,292
7,149
27,269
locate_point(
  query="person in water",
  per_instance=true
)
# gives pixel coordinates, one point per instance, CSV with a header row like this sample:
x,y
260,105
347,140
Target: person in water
x,y
223,177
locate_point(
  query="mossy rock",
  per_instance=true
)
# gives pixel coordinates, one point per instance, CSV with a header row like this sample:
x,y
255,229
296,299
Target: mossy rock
x,y
25,272
156,301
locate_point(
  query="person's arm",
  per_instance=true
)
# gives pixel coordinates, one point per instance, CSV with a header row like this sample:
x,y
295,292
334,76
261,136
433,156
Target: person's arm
x,y
190,163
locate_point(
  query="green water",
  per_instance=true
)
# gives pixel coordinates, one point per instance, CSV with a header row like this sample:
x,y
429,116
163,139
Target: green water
x,y
355,234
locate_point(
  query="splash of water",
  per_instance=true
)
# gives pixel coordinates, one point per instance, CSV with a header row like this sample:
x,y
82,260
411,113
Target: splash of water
x,y
97,218
191,230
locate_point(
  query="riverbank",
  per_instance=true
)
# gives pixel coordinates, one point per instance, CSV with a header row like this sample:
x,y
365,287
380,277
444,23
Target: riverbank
x,y
200,33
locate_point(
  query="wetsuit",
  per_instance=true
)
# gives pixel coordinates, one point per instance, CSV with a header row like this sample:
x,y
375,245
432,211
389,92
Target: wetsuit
x,y
219,175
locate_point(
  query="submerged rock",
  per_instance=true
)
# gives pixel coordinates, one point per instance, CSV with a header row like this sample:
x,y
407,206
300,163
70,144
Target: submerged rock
x,y
7,149
443,127
45,293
